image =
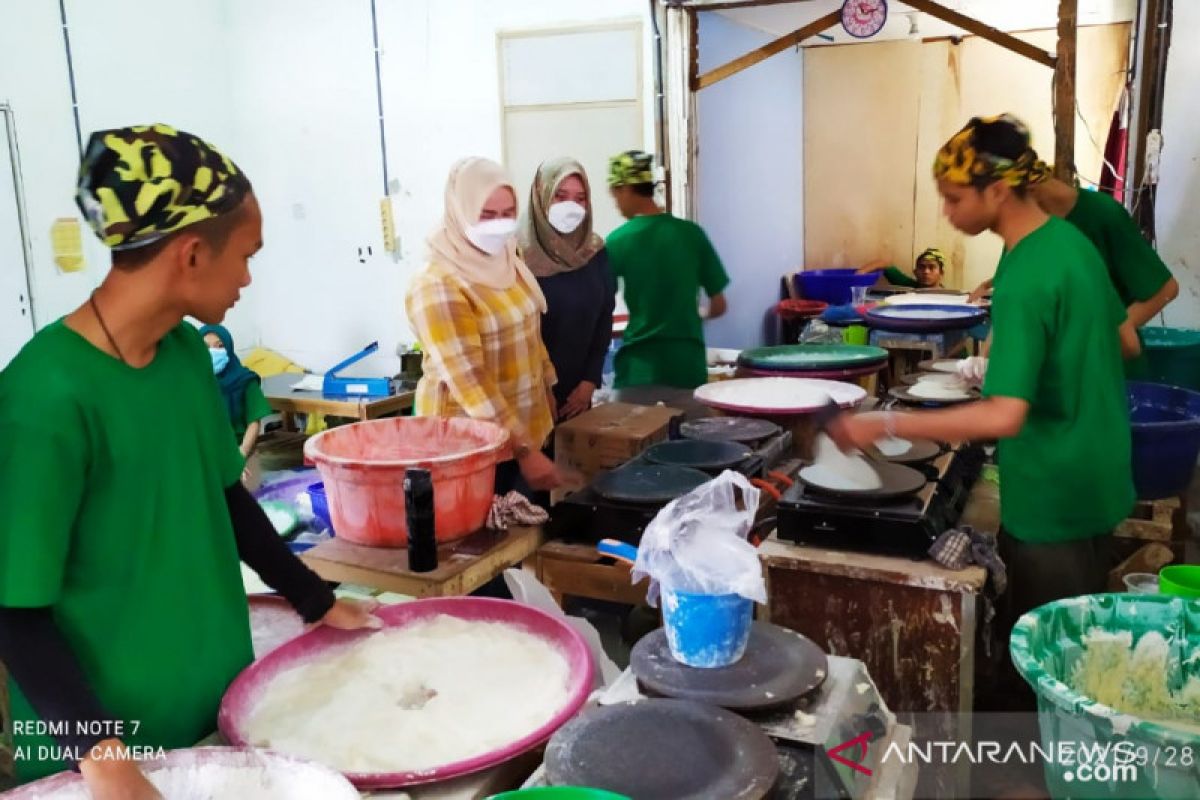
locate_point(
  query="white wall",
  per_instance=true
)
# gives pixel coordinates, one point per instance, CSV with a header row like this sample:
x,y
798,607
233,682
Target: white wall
x,y
1179,188
750,176
287,89
307,129
33,80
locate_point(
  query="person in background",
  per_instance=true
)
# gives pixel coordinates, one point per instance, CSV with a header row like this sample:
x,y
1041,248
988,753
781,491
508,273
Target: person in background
x,y
559,247
476,310
121,597
1054,394
241,389
928,272
1143,282
663,263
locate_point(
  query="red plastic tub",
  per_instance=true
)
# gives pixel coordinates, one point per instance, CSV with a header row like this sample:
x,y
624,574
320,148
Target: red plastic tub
x,y
363,466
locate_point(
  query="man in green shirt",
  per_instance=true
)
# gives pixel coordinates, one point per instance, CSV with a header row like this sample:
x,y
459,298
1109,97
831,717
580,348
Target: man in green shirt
x,y
1143,282
928,272
1055,390
122,613
663,263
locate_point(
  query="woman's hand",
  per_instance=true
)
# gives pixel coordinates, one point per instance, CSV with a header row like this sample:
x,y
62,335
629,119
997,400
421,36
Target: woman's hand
x,y
109,777
351,615
875,265
539,471
578,401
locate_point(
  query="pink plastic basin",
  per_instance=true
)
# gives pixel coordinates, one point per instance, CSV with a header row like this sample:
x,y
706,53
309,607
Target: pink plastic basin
x,y
363,467
244,692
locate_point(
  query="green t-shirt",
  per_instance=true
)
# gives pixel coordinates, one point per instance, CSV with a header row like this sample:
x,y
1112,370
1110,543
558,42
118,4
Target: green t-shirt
x,y
897,277
663,262
256,406
112,483
1134,267
1055,344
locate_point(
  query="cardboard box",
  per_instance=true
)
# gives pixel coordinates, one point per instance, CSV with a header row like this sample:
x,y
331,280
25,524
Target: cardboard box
x,y
610,434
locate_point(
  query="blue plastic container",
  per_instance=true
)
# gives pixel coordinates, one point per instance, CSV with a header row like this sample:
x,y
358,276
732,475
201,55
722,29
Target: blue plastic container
x,y
832,285
320,504
1166,438
706,630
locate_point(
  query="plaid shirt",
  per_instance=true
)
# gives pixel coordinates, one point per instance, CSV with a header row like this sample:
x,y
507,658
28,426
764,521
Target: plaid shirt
x,y
484,356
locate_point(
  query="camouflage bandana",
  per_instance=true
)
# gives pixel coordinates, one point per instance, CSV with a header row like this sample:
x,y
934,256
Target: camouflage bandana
x,y
631,168
961,163
933,254
139,184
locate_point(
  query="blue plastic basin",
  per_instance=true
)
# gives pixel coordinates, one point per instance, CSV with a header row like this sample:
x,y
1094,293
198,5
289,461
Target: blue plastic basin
x,y
1166,438
832,285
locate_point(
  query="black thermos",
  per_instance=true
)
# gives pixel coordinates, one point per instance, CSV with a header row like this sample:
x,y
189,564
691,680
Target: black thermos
x,y
418,512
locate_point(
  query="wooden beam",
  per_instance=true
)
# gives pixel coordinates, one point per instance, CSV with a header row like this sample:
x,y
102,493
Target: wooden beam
x,y
766,51
1064,91
994,35
718,5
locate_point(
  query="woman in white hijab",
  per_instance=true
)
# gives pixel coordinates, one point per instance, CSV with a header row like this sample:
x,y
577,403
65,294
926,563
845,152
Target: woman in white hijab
x,y
557,242
476,310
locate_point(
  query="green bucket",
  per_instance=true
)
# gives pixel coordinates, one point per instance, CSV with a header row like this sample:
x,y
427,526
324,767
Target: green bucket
x,y
1172,356
559,793
1182,580
1045,646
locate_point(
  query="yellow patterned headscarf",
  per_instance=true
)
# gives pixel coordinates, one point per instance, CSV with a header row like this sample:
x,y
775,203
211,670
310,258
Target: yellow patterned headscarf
x,y
961,162
141,183
631,168
933,254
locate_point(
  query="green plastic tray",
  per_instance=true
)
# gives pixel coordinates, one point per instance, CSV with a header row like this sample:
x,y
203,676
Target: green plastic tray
x,y
801,357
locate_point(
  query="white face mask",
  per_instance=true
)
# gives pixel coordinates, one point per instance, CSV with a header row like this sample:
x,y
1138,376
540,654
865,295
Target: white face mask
x,y
491,236
566,216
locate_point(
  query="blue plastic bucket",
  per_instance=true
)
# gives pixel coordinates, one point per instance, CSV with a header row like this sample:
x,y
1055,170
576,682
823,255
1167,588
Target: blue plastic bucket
x,y
1166,438
706,630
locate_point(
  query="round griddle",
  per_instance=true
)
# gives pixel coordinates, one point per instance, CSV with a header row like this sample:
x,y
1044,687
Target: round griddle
x,y
779,666
648,483
902,394
808,357
664,750
898,481
922,450
746,430
925,318
698,453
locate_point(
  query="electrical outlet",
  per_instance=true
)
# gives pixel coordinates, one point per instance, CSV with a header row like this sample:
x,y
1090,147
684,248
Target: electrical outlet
x,y
389,224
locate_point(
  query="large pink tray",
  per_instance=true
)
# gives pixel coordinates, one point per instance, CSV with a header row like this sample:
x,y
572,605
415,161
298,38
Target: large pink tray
x,y
244,692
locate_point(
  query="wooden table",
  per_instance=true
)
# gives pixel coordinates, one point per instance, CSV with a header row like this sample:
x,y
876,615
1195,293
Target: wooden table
x,y
288,402
463,566
913,623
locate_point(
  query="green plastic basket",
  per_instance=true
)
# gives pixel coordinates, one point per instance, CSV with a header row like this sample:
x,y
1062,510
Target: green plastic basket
x,y
1172,356
1047,642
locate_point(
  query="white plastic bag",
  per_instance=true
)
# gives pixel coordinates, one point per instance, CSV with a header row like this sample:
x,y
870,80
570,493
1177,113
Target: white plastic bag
x,y
698,543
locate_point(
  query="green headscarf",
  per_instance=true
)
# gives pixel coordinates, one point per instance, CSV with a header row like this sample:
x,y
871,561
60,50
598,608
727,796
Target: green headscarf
x,y
232,380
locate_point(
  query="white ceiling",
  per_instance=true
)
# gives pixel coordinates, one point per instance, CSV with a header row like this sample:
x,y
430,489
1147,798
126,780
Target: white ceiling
x,y
1007,15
